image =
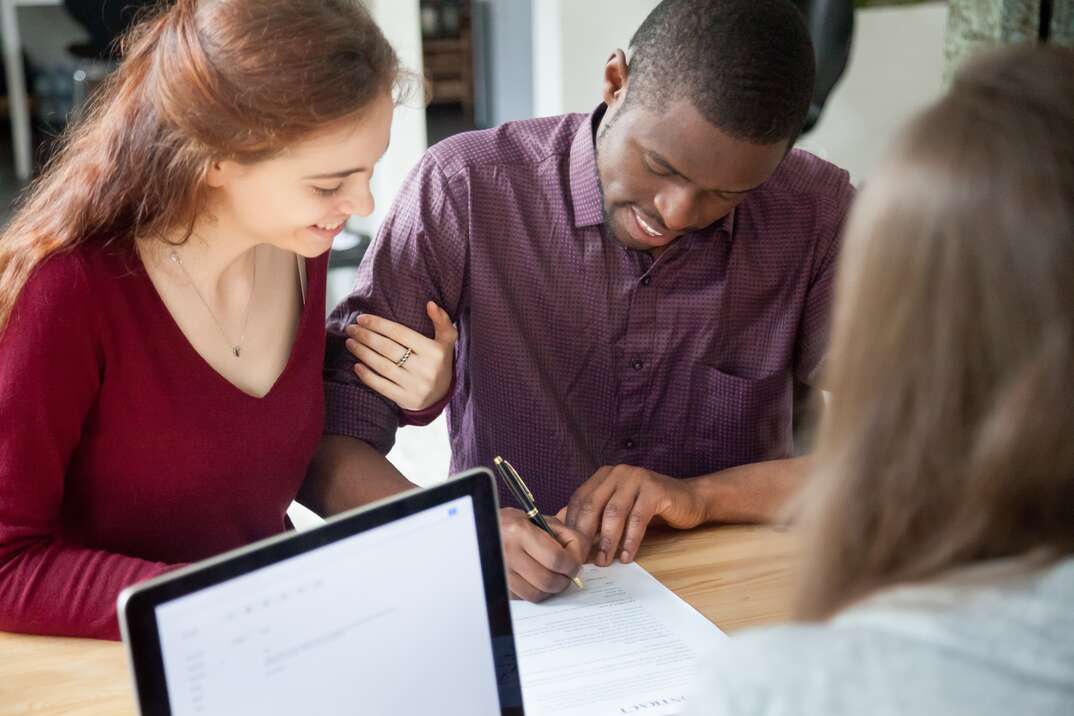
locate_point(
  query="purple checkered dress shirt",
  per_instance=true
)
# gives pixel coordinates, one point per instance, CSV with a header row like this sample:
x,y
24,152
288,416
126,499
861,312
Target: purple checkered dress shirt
x,y
576,352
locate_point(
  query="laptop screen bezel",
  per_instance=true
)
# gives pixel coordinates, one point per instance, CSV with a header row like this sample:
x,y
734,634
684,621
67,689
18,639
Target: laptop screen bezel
x,y
137,605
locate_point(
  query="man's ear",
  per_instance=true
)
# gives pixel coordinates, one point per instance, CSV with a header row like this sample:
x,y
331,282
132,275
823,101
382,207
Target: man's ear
x,y
616,72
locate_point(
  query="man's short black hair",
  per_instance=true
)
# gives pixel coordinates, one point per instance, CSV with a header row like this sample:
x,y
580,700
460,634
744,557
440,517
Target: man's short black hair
x,y
746,65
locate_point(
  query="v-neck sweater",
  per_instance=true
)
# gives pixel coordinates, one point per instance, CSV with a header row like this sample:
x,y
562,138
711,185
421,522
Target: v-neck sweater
x,y
123,453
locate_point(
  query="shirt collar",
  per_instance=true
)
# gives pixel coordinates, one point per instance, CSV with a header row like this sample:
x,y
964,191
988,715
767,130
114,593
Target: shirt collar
x,y
726,225
586,196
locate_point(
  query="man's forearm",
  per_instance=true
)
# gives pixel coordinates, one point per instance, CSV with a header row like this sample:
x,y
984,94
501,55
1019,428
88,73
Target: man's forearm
x,y
750,493
346,473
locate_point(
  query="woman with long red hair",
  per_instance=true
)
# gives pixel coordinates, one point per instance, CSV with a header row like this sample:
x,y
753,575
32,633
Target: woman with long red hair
x,y
162,300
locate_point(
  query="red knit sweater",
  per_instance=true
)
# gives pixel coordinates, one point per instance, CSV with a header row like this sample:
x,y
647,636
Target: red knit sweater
x,y
122,453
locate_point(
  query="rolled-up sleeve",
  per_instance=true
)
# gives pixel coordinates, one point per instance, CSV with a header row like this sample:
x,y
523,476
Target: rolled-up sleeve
x,y
419,255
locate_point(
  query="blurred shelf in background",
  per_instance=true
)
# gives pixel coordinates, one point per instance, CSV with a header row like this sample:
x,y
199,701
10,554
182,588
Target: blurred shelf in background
x,y
448,53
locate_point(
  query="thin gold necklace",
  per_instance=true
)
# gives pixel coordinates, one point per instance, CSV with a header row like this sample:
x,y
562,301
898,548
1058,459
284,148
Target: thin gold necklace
x,y
236,348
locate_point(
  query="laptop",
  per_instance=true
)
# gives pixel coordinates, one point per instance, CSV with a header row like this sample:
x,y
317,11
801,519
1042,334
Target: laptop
x,y
397,608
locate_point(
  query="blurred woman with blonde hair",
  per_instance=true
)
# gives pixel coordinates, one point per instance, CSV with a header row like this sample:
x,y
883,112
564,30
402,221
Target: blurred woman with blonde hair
x,y
940,519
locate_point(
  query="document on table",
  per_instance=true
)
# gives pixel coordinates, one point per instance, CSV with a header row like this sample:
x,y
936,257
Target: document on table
x,y
624,644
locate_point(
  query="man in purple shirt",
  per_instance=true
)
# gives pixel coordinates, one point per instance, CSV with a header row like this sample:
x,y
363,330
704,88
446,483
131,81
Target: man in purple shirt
x,y
636,291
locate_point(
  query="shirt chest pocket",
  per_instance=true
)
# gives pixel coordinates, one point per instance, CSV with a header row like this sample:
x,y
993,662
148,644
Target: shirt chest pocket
x,y
734,420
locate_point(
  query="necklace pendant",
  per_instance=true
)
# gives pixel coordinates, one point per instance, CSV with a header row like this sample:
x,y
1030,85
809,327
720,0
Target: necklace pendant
x,y
236,350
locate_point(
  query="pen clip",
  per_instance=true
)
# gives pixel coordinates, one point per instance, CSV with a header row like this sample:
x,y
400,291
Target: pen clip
x,y
518,479
512,484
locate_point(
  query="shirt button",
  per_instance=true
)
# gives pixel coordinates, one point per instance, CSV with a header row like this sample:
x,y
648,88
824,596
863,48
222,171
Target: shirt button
x,y
647,280
628,444
637,365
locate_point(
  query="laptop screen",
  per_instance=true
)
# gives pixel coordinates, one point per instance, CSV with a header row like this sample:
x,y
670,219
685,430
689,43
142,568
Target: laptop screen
x,y
390,620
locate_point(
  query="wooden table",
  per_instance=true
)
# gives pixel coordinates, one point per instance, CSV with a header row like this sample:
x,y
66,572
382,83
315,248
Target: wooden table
x,y
735,576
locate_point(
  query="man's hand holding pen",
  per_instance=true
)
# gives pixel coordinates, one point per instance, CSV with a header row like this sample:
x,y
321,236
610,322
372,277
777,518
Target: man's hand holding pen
x,y
606,518
538,565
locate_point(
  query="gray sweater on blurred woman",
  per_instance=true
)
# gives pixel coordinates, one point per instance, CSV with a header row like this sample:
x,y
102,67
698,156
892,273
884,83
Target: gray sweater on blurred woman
x,y
979,642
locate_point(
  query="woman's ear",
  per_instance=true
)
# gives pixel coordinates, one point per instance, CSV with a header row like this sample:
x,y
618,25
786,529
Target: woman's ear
x,y
221,172
616,72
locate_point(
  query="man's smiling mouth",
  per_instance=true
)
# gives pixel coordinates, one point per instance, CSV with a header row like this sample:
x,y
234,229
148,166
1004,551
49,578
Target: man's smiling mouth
x,y
646,226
